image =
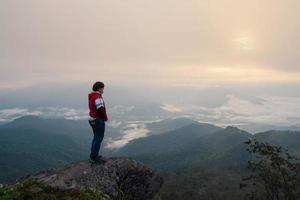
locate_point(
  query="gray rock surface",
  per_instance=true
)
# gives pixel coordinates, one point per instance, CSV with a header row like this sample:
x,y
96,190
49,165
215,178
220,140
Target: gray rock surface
x,y
117,177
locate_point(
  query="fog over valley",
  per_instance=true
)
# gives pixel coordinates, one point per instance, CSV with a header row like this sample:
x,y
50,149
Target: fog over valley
x,y
130,109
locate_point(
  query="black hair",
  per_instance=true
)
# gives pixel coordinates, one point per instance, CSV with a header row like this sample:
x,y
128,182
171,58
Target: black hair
x,y
98,85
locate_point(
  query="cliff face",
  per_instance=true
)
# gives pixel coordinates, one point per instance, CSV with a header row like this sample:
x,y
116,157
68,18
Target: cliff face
x,y
117,177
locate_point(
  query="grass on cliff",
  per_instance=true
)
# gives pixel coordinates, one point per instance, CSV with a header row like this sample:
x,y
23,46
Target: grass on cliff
x,y
35,191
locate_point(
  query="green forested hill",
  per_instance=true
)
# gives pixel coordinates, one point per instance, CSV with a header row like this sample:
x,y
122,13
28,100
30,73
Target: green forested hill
x,y
168,125
26,151
170,142
203,147
207,165
30,144
287,139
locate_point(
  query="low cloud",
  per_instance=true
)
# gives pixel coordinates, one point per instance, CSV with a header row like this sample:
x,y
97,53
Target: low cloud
x,y
13,113
234,110
130,132
171,108
7,115
275,110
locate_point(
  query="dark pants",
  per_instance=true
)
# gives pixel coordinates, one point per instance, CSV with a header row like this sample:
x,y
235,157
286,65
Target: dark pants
x,y
98,127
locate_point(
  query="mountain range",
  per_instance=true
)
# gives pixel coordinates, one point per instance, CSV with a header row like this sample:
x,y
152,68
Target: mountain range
x,y
206,146
30,144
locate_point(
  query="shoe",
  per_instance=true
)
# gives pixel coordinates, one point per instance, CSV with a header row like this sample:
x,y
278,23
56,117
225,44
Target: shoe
x,y
92,161
98,160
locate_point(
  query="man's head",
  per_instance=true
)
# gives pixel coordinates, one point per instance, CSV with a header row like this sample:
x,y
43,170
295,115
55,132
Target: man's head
x,y
98,87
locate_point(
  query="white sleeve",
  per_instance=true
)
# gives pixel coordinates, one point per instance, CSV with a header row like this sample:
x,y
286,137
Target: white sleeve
x,y
99,103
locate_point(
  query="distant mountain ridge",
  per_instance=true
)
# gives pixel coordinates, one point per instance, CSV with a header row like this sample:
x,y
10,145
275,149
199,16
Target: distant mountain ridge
x,y
29,144
203,145
169,141
22,152
40,143
167,125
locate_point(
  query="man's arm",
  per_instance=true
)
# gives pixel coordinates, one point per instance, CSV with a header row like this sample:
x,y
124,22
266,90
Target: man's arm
x,y
100,108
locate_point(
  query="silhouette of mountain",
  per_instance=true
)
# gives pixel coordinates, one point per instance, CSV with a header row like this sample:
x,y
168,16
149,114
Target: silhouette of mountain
x,y
286,139
169,142
167,125
196,146
30,144
27,151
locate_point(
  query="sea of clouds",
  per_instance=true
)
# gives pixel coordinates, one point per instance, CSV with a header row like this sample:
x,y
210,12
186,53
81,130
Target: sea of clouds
x,y
273,110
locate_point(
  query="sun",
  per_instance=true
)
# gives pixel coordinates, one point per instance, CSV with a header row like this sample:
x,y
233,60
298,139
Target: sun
x,y
244,43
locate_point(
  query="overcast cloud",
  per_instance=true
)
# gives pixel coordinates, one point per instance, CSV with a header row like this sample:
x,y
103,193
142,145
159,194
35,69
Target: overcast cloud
x,y
142,41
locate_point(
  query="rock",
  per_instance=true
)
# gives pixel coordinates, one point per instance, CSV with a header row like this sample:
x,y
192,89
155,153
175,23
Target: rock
x,y
117,177
36,190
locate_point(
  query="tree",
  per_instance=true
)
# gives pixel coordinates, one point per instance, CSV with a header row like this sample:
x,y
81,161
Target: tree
x,y
274,173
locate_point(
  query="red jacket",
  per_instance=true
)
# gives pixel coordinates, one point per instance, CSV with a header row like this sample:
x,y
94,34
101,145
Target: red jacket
x,y
97,106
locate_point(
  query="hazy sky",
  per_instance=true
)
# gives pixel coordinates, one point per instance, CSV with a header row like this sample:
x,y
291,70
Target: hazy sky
x,y
173,42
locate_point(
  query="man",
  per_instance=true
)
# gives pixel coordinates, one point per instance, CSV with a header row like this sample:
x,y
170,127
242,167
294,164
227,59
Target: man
x,y
98,117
